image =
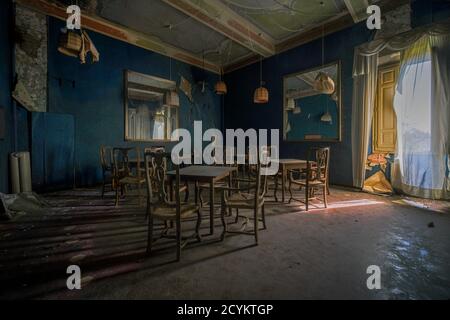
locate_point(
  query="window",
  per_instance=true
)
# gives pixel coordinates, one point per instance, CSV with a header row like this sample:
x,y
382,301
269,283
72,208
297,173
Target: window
x,y
384,135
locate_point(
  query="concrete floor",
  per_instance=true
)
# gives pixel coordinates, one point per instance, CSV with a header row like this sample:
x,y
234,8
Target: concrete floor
x,y
321,254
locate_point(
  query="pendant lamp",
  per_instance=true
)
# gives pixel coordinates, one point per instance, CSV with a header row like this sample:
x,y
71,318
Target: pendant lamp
x,y
323,82
171,98
290,104
221,87
261,95
69,43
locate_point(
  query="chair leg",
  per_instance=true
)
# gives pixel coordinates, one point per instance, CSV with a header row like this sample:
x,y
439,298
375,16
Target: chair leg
x,y
186,196
325,200
276,188
290,191
117,196
264,217
150,235
200,197
140,195
178,223
223,211
256,222
197,227
103,186
237,216
307,198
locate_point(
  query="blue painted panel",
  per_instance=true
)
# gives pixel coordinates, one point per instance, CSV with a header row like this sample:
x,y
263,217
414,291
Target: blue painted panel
x,y
53,151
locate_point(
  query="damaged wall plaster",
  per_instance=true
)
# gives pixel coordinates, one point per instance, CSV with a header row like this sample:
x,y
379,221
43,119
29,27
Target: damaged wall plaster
x,y
31,55
395,22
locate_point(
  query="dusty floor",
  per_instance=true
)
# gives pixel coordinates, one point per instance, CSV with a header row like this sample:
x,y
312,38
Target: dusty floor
x,y
321,254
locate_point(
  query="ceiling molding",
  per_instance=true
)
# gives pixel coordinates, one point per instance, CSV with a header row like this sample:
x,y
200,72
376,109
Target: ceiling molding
x,y
121,33
336,24
357,9
241,63
219,17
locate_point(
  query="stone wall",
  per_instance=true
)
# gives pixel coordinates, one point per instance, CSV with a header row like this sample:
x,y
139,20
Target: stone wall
x,y
395,22
31,55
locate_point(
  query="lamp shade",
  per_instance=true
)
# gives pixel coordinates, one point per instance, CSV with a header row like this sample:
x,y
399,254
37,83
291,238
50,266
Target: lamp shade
x,y
70,43
220,88
172,99
324,84
327,118
261,95
290,104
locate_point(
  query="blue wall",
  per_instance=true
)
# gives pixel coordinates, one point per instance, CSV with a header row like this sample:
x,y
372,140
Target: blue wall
x,y
97,99
427,11
309,122
241,112
5,89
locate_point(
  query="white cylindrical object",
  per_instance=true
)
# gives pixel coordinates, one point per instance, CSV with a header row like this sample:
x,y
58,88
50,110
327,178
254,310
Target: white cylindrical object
x,y
15,173
21,172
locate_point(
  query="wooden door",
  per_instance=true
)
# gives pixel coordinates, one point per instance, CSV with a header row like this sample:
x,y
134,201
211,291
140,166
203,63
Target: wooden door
x,y
385,120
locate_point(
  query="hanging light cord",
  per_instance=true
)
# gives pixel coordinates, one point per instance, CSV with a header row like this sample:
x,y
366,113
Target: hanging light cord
x,y
261,71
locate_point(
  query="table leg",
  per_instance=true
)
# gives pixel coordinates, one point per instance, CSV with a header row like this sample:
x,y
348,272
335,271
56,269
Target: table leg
x,y
171,190
275,191
196,192
211,208
283,184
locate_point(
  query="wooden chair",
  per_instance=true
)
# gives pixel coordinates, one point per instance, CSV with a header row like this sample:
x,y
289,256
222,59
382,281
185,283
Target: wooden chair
x,y
314,177
160,207
107,168
124,174
242,198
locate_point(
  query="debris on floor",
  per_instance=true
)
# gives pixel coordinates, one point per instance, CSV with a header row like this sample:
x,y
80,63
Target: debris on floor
x,y
15,205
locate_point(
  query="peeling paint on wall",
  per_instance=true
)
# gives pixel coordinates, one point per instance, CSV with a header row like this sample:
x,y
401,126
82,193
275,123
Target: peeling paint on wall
x,y
395,22
31,55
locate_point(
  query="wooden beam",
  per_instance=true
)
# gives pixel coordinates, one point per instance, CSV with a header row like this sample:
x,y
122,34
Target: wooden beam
x,y
121,33
219,17
357,9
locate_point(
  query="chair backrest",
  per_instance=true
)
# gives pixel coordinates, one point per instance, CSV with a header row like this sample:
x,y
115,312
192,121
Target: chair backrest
x,y
106,158
122,164
318,164
155,149
156,177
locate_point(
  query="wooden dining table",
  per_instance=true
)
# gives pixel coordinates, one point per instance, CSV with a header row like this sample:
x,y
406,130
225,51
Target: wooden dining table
x,y
285,166
204,174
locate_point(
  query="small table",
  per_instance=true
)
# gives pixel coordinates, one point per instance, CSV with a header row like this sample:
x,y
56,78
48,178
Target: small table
x,y
285,166
204,174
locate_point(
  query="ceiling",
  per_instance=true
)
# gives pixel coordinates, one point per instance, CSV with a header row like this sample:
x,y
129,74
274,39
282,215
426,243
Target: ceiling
x,y
282,19
214,34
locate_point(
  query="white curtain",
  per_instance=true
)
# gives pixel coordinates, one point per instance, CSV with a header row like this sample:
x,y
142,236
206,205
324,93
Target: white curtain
x,y
364,91
365,81
422,106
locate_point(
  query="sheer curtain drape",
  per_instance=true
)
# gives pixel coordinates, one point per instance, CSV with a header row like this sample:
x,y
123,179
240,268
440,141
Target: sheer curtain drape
x,y
422,106
365,72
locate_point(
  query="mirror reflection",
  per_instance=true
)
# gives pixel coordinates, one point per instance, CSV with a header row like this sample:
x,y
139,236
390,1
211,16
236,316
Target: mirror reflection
x,y
312,105
151,107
